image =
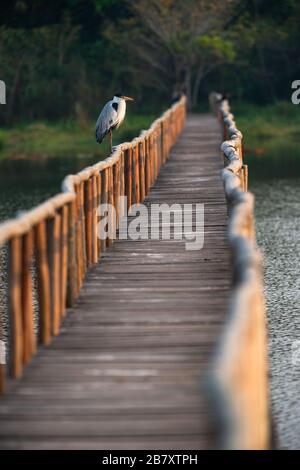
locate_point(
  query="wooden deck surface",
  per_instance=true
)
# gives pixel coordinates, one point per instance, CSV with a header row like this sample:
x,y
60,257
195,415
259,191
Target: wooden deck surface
x,y
129,368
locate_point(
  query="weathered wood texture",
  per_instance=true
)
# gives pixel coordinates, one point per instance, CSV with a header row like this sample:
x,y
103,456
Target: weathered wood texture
x,y
241,369
129,367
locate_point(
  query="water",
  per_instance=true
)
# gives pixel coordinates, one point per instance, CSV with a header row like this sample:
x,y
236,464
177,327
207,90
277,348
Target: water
x,y
278,232
26,183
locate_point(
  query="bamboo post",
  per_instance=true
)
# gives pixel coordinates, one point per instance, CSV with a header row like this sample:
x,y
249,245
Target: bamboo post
x,y
158,149
116,189
147,167
151,159
2,367
98,180
54,256
72,259
110,201
154,161
136,174
81,202
142,170
3,358
94,218
29,348
104,197
43,283
245,170
163,153
122,184
64,259
128,176
157,152
89,220
15,307
79,228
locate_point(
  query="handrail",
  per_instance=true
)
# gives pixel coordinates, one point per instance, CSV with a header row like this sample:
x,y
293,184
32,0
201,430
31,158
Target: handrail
x,y
58,239
240,368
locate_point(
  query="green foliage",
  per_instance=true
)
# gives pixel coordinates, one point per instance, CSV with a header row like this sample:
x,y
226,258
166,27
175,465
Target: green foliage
x,y
64,59
40,140
217,46
271,135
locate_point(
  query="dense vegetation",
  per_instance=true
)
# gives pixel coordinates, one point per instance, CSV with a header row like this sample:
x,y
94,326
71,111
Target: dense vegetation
x,y
62,59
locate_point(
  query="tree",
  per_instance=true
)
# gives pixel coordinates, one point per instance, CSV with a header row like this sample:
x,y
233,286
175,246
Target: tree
x,y
177,43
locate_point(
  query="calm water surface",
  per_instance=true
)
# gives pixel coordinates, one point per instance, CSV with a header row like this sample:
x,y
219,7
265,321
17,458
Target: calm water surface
x,y
278,232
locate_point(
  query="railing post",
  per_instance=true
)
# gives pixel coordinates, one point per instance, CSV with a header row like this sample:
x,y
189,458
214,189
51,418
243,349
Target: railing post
x,y
128,176
109,240
81,202
122,183
136,182
94,218
116,189
245,171
99,189
72,257
15,307
43,283
64,258
79,236
142,169
54,256
104,198
88,218
147,166
27,298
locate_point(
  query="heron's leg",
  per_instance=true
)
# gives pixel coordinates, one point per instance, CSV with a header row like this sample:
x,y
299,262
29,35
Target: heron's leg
x,y
110,140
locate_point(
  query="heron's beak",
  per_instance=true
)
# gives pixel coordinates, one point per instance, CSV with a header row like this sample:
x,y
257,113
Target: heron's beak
x,y
127,98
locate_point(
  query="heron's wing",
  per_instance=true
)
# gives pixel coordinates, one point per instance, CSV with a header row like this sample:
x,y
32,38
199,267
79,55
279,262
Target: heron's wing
x,y
106,120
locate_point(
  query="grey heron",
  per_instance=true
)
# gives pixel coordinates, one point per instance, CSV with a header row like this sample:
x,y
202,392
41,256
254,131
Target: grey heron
x,y
111,116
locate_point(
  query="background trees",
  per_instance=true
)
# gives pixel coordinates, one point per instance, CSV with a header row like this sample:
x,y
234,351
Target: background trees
x,y
60,59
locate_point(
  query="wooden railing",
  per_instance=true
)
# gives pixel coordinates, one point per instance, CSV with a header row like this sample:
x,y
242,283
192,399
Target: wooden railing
x,y
51,247
240,372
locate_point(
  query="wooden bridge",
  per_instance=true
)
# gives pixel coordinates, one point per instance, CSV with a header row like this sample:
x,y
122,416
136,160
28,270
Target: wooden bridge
x,y
159,347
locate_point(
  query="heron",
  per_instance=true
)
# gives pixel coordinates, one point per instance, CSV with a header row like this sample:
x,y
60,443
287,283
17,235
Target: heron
x,y
111,116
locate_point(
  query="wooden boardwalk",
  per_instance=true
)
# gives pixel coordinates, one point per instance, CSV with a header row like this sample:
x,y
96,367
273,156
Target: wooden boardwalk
x,y
129,367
